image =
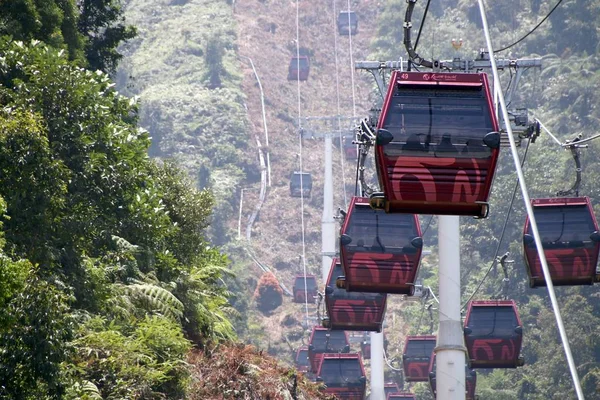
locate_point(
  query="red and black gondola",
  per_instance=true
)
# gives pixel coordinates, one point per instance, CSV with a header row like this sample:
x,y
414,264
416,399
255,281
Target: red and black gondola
x,y
301,361
569,233
493,334
352,311
437,144
299,68
304,293
417,356
343,375
380,252
470,380
323,341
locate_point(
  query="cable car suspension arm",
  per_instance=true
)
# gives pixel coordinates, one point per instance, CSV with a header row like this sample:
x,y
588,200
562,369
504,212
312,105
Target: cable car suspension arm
x,y
574,146
366,139
412,53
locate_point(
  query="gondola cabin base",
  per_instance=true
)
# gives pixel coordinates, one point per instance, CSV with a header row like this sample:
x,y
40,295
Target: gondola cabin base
x,y
437,144
493,334
569,233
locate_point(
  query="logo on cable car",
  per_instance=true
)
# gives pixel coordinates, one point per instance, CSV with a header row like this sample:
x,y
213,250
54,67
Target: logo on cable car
x,y
444,77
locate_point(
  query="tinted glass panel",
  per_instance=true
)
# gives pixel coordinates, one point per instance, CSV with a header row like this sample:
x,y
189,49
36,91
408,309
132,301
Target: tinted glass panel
x,y
343,17
311,283
302,359
377,232
340,371
342,293
333,341
306,179
492,321
303,62
420,348
449,122
561,225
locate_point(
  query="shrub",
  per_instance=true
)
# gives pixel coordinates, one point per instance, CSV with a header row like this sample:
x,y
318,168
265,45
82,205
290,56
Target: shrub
x,y
268,294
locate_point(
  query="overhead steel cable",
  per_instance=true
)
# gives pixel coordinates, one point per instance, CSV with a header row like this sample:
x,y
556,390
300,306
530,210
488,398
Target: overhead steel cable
x,y
351,65
532,30
510,207
300,157
337,92
529,207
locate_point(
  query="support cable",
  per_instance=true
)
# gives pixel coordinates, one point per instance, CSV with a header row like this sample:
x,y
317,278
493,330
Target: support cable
x,y
300,156
528,206
532,30
351,65
510,207
337,92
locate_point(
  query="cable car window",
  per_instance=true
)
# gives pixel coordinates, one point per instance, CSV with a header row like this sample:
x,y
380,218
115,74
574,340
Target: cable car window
x,y
340,371
420,348
564,225
303,62
343,294
448,122
378,232
343,17
492,321
334,343
302,359
311,282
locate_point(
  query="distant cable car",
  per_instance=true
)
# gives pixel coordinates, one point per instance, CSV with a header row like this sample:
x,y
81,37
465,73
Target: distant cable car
x,y
302,362
417,356
390,387
470,378
569,233
365,347
343,376
347,23
493,334
300,295
299,68
352,311
437,144
379,252
300,184
322,341
350,149
404,396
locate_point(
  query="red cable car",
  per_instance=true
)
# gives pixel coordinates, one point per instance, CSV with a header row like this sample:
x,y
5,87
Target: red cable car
x,y
416,357
365,347
437,144
325,341
470,378
379,252
569,233
391,387
300,295
343,376
299,68
493,334
302,362
353,311
405,396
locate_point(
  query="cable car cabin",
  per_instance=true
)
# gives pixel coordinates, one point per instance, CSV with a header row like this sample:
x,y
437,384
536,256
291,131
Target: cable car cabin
x,y
390,387
299,68
300,184
437,144
323,341
347,23
302,362
569,233
380,252
416,357
470,378
343,376
352,311
403,396
304,293
493,334
350,149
